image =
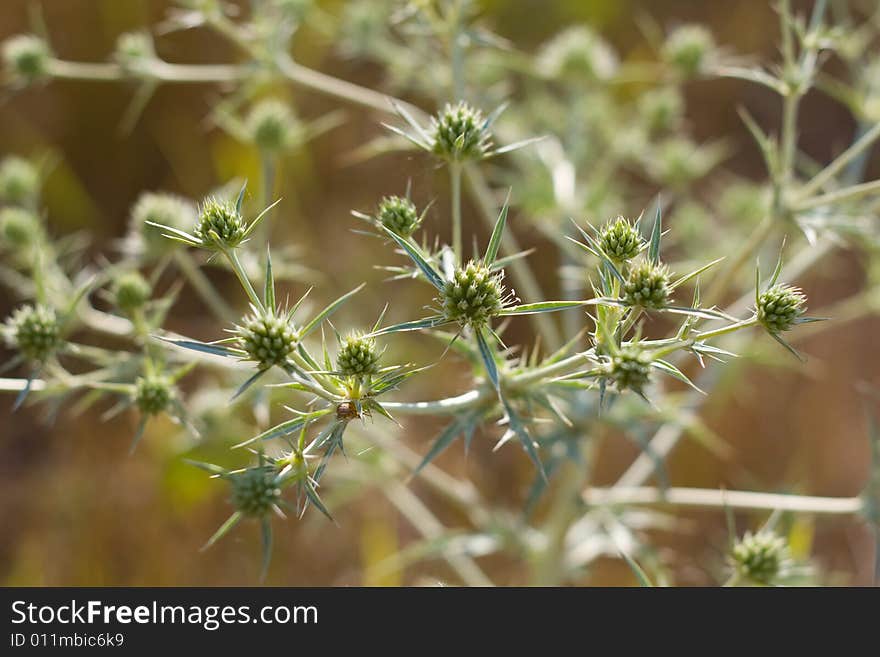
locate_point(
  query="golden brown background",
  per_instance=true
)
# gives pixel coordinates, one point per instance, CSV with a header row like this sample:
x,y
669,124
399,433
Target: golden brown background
x,y
76,510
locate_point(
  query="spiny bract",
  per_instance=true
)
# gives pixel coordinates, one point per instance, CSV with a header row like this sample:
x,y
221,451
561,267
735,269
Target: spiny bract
x,y
267,338
779,307
647,285
35,331
760,557
358,356
460,133
474,295
255,491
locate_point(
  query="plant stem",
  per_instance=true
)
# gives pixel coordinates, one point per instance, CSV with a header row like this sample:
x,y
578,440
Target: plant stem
x,y
203,286
158,70
455,184
237,267
721,499
846,194
840,162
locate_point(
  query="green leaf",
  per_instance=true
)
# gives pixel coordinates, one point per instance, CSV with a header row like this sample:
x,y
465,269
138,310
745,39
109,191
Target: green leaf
x,y
656,233
253,225
204,347
416,256
231,522
522,434
444,440
329,310
684,279
247,384
269,286
497,232
488,357
240,200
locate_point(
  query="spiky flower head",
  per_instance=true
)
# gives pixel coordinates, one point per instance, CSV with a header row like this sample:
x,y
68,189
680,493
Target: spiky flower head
x,y
620,240
220,224
35,331
267,338
460,133
134,51
474,295
398,215
19,181
153,393
271,125
20,228
647,285
630,369
131,291
577,51
688,49
780,306
159,208
255,491
358,356
27,57
661,109
762,557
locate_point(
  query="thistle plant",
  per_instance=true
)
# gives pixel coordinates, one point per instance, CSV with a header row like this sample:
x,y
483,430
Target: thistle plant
x,y
645,319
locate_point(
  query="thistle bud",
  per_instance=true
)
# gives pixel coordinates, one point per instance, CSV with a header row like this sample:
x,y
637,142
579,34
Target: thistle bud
x,y
661,109
762,557
779,307
578,52
459,133
159,208
35,331
630,369
398,215
647,285
27,57
267,339
358,356
220,224
153,393
19,181
620,240
131,291
688,49
255,491
473,296
20,228
134,52
271,125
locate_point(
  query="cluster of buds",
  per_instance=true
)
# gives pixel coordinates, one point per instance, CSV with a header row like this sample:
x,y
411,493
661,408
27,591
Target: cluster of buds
x,y
474,295
688,49
271,126
220,224
19,181
647,285
358,356
267,338
460,132
577,52
255,491
35,331
153,393
20,228
27,57
629,369
779,308
398,215
620,240
661,109
131,291
761,558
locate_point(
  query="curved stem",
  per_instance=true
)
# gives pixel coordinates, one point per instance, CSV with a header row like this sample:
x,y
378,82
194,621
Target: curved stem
x,y
237,267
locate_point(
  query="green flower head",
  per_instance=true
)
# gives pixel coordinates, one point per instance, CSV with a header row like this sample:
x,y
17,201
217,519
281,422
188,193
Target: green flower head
x,y
460,133
688,49
131,291
762,557
27,57
398,215
220,224
780,307
271,125
267,338
153,393
474,295
620,240
255,491
630,369
358,356
35,331
647,285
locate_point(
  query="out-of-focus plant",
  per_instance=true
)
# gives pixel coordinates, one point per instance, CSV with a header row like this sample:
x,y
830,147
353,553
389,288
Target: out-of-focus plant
x,y
575,131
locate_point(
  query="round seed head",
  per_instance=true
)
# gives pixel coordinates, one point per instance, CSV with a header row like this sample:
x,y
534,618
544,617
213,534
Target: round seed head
x,y
620,240
255,491
19,181
220,224
267,339
630,369
27,57
20,228
358,356
779,307
159,208
398,215
459,133
134,51
34,331
153,393
578,52
647,285
131,291
474,295
271,125
762,557
688,49
661,109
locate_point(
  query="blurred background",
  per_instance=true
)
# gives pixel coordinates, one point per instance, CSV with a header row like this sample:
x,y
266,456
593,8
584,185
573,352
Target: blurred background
x,y
75,509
